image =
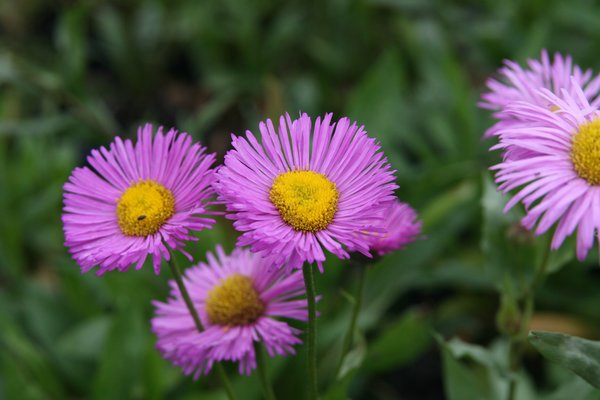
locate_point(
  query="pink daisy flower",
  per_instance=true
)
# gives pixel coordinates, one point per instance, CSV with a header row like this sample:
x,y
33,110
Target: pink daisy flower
x,y
301,190
138,200
238,298
523,84
560,181
401,228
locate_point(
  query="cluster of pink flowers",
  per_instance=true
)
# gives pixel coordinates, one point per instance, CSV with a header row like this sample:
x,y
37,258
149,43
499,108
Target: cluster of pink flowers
x,y
548,128
305,190
296,193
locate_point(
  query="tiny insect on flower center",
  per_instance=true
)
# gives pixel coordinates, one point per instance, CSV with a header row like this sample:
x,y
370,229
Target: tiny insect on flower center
x,y
585,152
234,302
144,207
306,200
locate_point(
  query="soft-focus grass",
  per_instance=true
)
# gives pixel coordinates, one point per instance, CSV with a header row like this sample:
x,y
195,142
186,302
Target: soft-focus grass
x,y
74,74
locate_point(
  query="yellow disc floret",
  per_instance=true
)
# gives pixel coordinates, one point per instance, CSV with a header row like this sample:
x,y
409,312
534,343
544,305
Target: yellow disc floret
x,y
144,208
234,302
585,152
306,200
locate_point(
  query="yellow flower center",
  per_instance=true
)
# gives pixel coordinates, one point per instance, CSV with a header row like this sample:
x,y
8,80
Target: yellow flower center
x,y
144,208
306,200
585,152
234,302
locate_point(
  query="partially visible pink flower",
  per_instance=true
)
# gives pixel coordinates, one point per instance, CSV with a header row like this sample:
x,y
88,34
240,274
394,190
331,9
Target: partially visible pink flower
x,y
559,181
401,226
239,298
523,84
138,200
303,189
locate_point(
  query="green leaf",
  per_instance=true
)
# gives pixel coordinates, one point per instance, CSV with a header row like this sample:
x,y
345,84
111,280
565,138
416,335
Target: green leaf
x,y
576,388
71,42
471,372
339,390
85,340
158,376
377,102
581,356
461,382
27,362
400,343
355,357
120,367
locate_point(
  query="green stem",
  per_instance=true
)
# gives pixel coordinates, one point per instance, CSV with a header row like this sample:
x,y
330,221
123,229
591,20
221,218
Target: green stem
x,y
518,340
311,339
225,381
176,272
349,338
262,372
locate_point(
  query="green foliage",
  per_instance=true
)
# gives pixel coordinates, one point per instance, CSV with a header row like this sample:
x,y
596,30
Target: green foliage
x,y
400,343
75,74
581,356
474,372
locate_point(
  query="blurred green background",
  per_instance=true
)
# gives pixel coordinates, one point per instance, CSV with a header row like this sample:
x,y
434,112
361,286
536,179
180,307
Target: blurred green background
x,y
73,74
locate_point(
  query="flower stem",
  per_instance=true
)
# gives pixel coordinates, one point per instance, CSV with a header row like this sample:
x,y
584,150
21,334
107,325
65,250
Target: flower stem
x,y
349,338
262,372
225,381
517,340
176,272
309,283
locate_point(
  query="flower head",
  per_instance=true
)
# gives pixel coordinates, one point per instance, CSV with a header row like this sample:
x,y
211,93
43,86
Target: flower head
x,y
523,84
560,180
138,200
302,189
401,228
238,298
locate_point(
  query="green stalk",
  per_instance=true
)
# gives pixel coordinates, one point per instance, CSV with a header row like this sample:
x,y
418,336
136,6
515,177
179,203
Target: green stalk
x,y
262,372
176,272
349,337
311,339
225,381
517,340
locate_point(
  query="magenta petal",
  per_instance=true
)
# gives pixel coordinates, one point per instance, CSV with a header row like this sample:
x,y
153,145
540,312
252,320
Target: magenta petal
x,y
89,217
341,151
195,352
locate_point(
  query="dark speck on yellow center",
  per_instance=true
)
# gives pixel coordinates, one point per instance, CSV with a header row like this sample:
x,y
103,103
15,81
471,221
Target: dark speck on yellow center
x,y
234,302
585,152
306,200
144,207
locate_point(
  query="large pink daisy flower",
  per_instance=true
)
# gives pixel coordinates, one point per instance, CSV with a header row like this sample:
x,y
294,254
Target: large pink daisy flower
x,y
238,298
302,189
522,84
560,181
138,200
401,228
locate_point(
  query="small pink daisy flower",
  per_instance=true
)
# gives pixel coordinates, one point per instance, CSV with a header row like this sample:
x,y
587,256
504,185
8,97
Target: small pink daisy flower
x,y
301,190
401,228
560,180
523,84
138,200
238,298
